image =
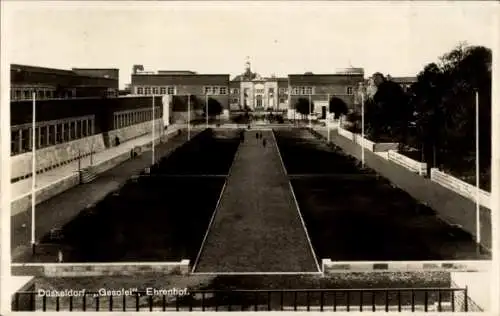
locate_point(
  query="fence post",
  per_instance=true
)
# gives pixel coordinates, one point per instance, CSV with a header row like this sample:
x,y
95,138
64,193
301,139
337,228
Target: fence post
x,y
466,300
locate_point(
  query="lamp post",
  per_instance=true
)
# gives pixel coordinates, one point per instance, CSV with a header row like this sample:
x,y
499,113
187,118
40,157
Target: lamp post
x,y
362,129
310,111
206,110
33,174
478,215
189,117
153,133
328,117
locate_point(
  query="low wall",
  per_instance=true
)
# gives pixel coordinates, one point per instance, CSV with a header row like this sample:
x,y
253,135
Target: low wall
x,y
461,187
346,133
449,205
99,269
410,164
329,267
23,202
54,156
368,144
134,131
380,147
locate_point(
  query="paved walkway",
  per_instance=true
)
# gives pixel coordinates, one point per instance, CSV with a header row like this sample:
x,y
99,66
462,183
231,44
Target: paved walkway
x,y
60,209
257,227
23,187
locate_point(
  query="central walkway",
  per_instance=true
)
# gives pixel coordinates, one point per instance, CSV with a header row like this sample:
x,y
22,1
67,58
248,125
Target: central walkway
x,y
257,226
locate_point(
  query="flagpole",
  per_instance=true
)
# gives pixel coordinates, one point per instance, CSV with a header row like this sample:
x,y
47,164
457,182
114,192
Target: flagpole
x,y
189,117
310,111
328,116
153,133
478,218
362,130
33,174
206,110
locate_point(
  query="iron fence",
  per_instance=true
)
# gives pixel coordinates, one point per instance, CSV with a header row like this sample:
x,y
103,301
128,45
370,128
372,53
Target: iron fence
x,y
402,300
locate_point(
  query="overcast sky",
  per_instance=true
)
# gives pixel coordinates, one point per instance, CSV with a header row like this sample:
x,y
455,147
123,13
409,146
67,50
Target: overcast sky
x,y
215,37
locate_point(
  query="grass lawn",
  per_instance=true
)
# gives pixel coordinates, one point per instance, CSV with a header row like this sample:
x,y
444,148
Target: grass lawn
x,y
154,218
362,217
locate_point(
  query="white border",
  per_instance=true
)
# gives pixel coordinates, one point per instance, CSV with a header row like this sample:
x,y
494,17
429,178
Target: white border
x,y
296,204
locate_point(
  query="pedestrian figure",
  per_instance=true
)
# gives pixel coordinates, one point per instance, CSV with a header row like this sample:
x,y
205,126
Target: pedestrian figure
x,y
257,135
59,256
264,142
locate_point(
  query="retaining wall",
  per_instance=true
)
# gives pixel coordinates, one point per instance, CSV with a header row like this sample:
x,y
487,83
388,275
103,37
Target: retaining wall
x,y
99,269
54,156
135,131
410,164
329,267
449,205
461,187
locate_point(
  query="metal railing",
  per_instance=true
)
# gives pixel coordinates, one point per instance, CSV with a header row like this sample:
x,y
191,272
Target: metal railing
x,y
400,299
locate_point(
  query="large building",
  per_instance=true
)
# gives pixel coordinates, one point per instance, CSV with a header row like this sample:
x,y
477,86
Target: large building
x,y
182,83
49,83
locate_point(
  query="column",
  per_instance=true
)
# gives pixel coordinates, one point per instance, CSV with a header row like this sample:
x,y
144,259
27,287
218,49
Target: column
x,y
30,138
38,135
92,127
20,132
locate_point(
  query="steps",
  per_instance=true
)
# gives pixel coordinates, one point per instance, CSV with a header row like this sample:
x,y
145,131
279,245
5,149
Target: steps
x,y
87,175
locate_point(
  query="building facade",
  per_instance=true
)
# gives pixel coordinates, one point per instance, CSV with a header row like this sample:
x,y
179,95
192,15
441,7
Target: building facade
x,y
50,83
182,83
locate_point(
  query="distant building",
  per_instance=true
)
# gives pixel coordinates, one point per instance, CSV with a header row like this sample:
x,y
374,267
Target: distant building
x,y
252,91
323,87
404,82
215,86
370,85
50,83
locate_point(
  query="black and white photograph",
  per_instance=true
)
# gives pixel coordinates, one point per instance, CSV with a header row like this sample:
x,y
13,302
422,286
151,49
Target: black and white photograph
x,y
249,156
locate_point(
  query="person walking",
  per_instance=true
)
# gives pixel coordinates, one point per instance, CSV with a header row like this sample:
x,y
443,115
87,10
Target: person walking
x,y
263,142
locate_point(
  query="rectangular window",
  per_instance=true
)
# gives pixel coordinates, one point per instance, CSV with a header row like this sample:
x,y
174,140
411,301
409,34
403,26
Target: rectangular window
x,y
171,90
52,135
147,90
271,90
14,141
42,136
25,139
222,90
140,90
155,90
309,90
163,90
208,90
295,91
59,134
27,94
282,100
215,90
349,90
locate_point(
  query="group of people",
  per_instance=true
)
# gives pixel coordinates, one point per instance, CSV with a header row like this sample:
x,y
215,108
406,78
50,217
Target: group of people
x,y
258,135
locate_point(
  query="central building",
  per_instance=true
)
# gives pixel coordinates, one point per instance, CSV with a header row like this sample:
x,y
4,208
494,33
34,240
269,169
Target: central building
x,y
253,92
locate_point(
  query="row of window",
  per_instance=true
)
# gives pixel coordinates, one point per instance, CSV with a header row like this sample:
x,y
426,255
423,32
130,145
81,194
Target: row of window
x,y
50,133
155,90
215,90
131,117
47,93
27,93
310,90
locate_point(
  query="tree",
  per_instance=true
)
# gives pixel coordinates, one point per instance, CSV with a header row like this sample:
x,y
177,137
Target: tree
x,y
338,107
214,107
303,106
444,101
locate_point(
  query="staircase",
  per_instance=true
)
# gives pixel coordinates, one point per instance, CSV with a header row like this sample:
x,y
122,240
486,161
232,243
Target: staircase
x,y
87,175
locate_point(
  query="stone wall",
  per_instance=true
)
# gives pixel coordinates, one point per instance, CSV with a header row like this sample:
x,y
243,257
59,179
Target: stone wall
x,y
100,269
54,156
134,131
